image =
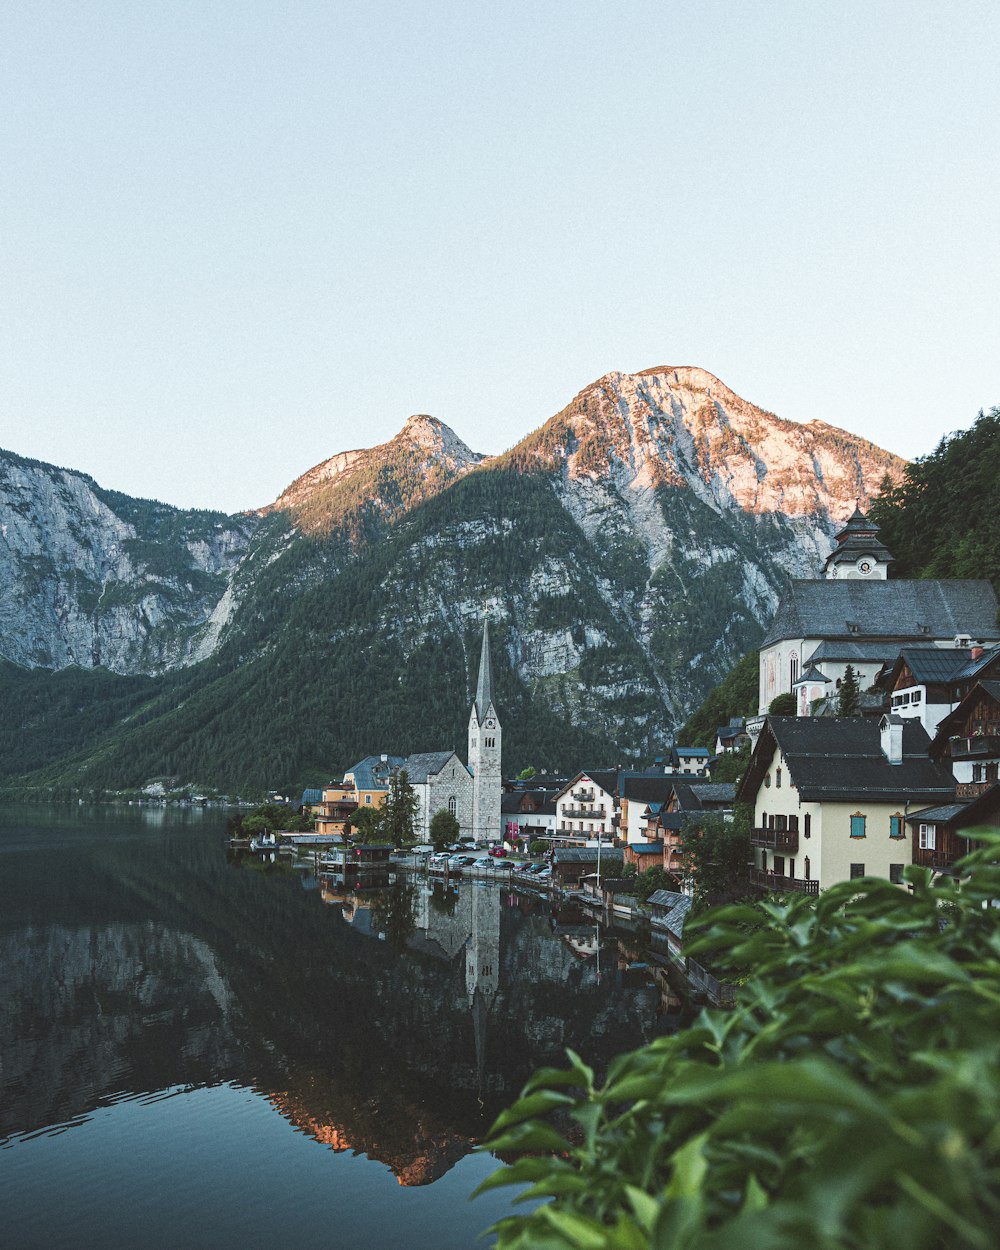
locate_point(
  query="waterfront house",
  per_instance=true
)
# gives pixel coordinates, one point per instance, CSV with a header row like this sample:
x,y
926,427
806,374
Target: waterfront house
x,y
668,911
369,778
830,798
585,807
571,863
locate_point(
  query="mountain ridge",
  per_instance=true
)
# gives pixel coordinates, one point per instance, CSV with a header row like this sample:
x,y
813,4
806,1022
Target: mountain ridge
x,y
631,549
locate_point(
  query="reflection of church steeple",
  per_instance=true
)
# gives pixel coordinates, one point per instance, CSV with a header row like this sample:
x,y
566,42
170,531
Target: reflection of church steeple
x,y
482,969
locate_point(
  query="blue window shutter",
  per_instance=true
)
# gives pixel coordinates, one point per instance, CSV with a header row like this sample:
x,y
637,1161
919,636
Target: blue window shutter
x,y
857,826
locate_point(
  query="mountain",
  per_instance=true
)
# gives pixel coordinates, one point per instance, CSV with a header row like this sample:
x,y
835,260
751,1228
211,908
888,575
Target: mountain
x,y
630,552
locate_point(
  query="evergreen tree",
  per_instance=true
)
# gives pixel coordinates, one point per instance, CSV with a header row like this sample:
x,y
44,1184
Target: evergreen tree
x,y
399,811
366,823
443,829
716,854
849,703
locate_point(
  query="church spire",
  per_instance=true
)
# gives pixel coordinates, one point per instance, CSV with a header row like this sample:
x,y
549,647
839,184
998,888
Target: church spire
x,y
484,689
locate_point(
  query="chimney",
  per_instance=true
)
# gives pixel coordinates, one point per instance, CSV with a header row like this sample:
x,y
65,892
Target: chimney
x,y
385,759
977,651
891,733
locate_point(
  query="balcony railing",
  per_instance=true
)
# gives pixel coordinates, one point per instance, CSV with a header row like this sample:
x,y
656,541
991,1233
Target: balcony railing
x,y
975,747
939,859
588,813
781,840
770,881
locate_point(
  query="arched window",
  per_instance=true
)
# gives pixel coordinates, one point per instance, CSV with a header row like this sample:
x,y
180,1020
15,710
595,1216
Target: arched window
x,y
452,805
794,669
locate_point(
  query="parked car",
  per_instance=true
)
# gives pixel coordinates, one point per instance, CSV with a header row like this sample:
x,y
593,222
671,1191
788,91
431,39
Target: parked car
x,y
498,852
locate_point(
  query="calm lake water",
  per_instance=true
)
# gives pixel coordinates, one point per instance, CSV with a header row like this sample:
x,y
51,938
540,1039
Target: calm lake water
x,y
203,1051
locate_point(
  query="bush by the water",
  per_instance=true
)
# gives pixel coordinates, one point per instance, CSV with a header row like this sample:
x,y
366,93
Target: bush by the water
x,y
851,1099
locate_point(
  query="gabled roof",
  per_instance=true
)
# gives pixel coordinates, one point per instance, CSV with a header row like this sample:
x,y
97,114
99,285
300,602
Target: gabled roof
x,y
606,778
311,796
693,753
654,789
372,773
810,675
419,768
905,610
978,665
725,732
957,715
931,664
646,848
841,759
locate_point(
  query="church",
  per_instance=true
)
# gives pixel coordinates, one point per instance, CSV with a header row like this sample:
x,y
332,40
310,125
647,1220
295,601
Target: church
x,y
441,781
854,613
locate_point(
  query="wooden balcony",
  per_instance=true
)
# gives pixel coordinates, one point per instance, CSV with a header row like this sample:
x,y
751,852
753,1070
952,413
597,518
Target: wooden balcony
x,y
782,841
983,746
769,882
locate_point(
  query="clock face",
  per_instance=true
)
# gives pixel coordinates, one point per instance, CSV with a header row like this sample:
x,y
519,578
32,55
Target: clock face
x,y
490,724
865,565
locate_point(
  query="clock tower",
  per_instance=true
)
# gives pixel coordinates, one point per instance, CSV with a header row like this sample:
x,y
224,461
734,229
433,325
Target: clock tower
x,y
858,555
484,752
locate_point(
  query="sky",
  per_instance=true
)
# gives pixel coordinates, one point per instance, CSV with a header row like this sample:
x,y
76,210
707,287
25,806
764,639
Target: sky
x,y
237,238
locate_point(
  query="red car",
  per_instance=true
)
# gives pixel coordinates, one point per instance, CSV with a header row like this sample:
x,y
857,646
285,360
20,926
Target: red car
x,y
498,852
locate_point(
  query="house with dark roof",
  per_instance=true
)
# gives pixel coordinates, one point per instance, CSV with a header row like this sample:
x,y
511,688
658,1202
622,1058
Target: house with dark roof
x,y
636,791
968,739
729,738
693,761
929,682
831,795
942,834
854,615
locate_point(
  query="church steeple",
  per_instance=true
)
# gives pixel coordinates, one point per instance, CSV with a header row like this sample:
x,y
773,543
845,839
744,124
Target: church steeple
x,y
484,751
484,688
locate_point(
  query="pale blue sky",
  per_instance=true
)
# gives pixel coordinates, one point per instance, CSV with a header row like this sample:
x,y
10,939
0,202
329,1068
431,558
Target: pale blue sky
x,y
236,238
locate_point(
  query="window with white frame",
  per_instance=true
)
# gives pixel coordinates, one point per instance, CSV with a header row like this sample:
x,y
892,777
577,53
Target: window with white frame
x,y
928,837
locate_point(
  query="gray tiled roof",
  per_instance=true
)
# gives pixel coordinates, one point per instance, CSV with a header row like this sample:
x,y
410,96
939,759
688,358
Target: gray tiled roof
x,y
588,855
420,767
372,773
818,608
646,789
934,664
940,815
841,758
679,905
862,652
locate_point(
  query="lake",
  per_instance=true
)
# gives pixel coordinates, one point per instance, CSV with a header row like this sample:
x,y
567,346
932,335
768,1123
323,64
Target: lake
x,y
205,1050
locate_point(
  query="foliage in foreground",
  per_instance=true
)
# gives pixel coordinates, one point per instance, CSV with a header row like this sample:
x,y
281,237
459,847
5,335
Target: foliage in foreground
x,y
851,1101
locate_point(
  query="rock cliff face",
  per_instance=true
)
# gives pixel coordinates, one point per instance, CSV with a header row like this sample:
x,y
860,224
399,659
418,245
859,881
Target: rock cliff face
x,y
95,578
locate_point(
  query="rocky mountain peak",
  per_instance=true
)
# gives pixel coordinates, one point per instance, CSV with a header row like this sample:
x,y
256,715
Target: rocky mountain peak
x,y
681,426
438,440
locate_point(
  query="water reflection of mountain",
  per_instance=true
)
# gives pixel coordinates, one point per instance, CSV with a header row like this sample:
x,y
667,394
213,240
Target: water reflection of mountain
x,y
137,964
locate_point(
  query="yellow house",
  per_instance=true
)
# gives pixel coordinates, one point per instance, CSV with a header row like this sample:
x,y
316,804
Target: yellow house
x,y
830,798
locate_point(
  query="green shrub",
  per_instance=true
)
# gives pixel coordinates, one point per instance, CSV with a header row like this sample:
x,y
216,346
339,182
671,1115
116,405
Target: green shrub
x,y
851,1099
